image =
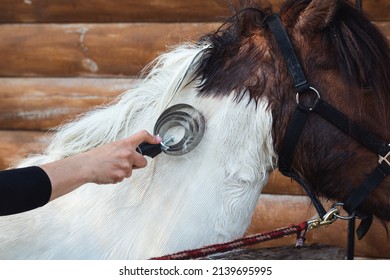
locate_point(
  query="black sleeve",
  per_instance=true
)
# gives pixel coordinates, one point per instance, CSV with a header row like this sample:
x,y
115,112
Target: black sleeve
x,y
23,189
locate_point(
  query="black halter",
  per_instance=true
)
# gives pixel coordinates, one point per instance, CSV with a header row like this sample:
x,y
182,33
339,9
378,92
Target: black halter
x,y
332,115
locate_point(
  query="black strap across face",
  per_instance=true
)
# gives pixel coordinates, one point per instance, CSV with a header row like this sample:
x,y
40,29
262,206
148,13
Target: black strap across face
x,y
299,118
288,52
331,114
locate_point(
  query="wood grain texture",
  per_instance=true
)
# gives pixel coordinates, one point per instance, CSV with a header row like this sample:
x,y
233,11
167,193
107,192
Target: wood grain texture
x,y
385,28
93,50
16,145
378,10
280,184
28,11
112,11
68,50
308,252
44,103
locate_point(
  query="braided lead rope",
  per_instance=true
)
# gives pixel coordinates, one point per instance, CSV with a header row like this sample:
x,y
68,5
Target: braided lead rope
x,y
300,230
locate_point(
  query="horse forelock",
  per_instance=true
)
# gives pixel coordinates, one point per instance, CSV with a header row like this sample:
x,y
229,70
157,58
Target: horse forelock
x,y
231,63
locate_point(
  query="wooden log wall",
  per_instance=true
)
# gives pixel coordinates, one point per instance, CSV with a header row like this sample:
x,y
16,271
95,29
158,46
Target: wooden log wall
x,y
60,58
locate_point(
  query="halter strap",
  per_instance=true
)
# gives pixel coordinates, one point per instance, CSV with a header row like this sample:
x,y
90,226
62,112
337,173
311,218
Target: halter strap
x,y
340,120
286,154
366,138
300,115
288,52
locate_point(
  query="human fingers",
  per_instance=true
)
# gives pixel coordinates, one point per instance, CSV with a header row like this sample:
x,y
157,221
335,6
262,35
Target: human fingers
x,y
143,136
138,161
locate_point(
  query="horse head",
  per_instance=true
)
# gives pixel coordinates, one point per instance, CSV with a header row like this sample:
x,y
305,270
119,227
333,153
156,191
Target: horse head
x,y
343,57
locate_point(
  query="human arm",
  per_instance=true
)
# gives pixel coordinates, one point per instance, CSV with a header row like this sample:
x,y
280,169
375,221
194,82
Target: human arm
x,y
24,189
106,164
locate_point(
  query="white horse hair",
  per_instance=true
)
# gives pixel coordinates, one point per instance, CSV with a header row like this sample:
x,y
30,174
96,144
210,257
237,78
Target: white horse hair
x,y
176,202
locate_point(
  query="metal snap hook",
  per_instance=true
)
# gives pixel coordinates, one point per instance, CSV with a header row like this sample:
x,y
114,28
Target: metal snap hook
x,y
329,218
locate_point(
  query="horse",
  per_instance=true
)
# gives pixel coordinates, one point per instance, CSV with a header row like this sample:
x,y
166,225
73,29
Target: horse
x,y
237,78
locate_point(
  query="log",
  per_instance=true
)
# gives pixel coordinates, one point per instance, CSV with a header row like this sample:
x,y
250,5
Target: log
x,y
92,50
378,10
280,184
276,211
309,252
16,145
385,28
67,50
44,11
44,103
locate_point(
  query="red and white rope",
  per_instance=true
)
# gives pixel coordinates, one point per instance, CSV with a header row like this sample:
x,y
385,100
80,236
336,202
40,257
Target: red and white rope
x,y
300,230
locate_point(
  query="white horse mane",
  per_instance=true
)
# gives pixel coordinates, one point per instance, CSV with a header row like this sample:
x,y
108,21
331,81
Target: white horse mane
x,y
175,203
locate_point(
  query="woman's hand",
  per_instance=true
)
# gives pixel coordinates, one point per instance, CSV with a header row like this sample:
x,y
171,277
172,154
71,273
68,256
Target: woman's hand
x,y
113,162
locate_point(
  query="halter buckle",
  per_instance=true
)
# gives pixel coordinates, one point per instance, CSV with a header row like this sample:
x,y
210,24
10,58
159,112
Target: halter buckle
x,y
386,159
